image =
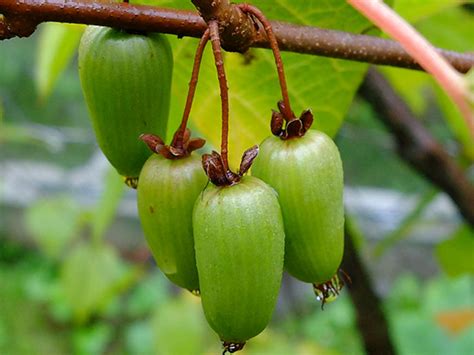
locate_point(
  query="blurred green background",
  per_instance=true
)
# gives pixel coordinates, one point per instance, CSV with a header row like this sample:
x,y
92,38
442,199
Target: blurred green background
x,y
76,276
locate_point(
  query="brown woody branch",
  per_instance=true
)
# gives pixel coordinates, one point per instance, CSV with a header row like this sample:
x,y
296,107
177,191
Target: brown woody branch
x,y
371,320
416,145
238,32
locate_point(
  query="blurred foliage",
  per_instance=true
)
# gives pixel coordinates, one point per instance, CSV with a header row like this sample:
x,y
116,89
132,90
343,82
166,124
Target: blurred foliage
x,y
366,146
425,317
103,214
57,43
53,222
456,254
448,27
413,311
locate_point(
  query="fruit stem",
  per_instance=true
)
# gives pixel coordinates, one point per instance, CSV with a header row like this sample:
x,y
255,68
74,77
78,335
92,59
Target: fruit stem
x,y
247,8
219,61
178,137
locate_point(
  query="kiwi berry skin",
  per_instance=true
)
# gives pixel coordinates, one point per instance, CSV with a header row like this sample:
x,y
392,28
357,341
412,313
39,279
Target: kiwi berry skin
x,y
166,194
126,82
239,242
308,176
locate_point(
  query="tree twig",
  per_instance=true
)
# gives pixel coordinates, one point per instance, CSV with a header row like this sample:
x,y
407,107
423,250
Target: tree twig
x,y
27,14
416,145
370,318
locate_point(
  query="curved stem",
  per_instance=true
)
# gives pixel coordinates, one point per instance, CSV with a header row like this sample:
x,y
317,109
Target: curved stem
x,y
247,8
178,137
420,49
216,49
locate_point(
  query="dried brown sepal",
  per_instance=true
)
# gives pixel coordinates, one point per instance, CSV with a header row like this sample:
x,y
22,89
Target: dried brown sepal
x,y
152,141
214,168
328,291
195,144
295,127
131,182
176,152
306,118
196,292
231,347
181,146
247,159
218,175
276,124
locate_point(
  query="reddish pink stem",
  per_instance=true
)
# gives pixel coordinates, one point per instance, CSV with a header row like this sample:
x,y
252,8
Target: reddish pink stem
x,y
178,138
247,8
421,50
219,61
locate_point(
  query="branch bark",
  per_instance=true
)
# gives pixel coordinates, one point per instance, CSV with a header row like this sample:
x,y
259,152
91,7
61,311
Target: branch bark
x,y
22,17
416,145
371,320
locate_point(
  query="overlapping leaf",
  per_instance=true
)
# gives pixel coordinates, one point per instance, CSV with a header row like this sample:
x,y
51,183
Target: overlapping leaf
x,y
56,47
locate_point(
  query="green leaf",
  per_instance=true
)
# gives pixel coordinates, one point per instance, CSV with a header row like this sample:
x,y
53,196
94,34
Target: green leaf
x,y
415,10
57,45
53,223
88,275
93,339
107,206
456,254
327,86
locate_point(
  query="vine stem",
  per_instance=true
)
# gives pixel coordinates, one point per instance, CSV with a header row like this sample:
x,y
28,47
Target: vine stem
x,y
178,137
420,49
247,8
219,61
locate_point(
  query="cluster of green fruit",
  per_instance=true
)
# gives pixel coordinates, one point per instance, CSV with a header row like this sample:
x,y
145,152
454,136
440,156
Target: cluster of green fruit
x,y
228,240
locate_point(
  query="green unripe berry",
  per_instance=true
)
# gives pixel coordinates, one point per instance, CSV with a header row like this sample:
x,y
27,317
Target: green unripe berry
x,y
166,194
307,174
126,81
239,241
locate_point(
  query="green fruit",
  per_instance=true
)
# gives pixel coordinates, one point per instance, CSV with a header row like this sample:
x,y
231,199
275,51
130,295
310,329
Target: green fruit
x,y
166,195
126,81
307,174
239,242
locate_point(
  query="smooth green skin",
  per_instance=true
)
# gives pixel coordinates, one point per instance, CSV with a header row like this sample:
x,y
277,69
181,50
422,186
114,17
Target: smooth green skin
x,y
307,174
166,194
239,242
126,81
